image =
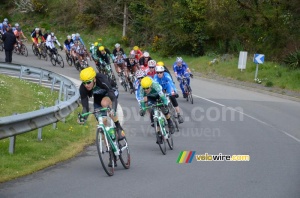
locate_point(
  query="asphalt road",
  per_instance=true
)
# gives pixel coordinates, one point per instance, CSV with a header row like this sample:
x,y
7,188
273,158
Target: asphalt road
x,y
223,119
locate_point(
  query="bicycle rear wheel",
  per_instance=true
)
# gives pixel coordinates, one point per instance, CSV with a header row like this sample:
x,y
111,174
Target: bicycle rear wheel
x,y
190,95
24,50
170,141
53,59
160,139
60,60
124,153
105,153
173,116
69,59
34,50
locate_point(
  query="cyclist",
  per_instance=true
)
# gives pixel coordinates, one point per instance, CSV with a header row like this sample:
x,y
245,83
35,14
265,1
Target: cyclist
x,y
151,71
160,63
139,74
181,69
82,53
93,51
164,79
50,43
137,53
77,37
103,53
119,55
144,61
37,37
3,27
99,87
74,48
132,66
46,34
18,32
68,44
150,92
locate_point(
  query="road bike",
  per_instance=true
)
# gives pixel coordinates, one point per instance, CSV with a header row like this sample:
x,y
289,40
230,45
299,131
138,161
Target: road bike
x,y
162,134
42,51
124,80
107,70
173,113
69,58
110,150
187,90
55,57
20,48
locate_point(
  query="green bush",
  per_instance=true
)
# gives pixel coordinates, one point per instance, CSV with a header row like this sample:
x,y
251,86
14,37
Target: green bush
x,y
292,60
269,84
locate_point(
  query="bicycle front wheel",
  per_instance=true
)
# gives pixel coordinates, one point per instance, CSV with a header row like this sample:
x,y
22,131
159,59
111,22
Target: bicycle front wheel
x,y
190,95
53,59
60,61
105,153
160,139
170,141
124,153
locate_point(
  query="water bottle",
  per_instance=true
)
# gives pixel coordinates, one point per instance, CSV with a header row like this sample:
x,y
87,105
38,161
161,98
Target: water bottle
x,y
111,132
116,150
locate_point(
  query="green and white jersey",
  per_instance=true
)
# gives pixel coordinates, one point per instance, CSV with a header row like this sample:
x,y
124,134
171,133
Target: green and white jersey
x,y
155,93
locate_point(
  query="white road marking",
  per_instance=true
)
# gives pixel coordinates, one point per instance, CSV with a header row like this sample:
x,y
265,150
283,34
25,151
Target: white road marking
x,y
249,116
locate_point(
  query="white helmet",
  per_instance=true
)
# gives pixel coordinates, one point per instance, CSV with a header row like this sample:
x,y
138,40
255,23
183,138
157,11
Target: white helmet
x,y
146,54
73,35
37,29
159,69
68,37
117,45
179,60
77,34
17,25
5,20
140,73
151,63
52,34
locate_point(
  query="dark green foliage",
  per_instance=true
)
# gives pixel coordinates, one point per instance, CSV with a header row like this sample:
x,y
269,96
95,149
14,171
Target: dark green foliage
x,y
292,60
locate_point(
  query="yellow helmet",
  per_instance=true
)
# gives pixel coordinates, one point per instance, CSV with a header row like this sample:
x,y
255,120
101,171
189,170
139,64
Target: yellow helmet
x,y
135,48
96,43
87,74
146,82
160,63
101,48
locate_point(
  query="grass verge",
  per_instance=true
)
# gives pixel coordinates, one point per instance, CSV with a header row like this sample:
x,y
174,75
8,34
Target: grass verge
x,y
58,144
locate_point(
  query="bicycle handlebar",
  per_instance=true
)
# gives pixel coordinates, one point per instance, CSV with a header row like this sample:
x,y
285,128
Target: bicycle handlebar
x,y
95,111
154,105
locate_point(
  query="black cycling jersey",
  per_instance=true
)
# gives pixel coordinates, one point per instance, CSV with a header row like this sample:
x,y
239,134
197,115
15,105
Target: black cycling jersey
x,y
130,64
101,89
120,52
104,57
143,62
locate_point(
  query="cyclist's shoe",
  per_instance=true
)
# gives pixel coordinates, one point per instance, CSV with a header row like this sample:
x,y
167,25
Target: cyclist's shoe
x,y
159,139
180,119
121,134
184,95
110,164
152,124
171,127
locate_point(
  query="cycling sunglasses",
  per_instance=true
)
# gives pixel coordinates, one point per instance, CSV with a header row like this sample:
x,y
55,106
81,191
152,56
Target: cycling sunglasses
x,y
146,88
87,82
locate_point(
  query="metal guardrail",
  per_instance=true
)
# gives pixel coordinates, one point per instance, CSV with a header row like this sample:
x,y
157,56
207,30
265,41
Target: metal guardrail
x,y
68,101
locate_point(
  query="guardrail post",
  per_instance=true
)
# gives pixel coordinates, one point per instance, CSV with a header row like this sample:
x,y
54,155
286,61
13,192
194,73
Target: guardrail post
x,y
40,130
12,142
55,124
21,72
53,83
41,77
60,90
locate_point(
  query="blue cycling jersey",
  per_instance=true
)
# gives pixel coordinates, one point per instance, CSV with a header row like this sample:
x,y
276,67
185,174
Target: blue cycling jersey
x,y
180,70
166,83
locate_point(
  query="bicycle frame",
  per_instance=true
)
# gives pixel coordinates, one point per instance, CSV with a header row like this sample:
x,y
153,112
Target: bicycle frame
x,y
160,118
